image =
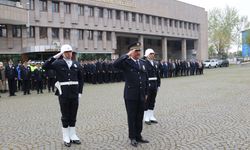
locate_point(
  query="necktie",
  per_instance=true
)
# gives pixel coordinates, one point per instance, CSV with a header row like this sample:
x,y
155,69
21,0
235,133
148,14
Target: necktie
x,y
138,64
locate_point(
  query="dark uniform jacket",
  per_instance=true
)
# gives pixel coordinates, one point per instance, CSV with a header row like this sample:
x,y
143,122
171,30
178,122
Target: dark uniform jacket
x,y
51,74
39,74
153,72
25,73
136,79
10,72
64,74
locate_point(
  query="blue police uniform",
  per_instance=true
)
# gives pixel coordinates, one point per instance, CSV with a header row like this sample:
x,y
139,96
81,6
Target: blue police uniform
x,y
135,91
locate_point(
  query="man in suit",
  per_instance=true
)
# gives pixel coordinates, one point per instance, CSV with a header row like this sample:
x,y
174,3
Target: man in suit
x,y
69,89
11,75
135,91
154,82
26,78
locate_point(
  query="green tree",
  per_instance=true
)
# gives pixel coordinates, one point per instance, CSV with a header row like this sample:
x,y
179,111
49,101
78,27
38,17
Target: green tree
x,y
248,37
222,24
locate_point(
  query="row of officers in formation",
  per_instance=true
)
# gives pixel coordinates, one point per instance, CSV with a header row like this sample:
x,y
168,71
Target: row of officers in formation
x,y
28,76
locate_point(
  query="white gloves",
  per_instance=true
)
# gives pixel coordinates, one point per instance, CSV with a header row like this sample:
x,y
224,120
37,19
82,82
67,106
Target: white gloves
x,y
57,55
79,95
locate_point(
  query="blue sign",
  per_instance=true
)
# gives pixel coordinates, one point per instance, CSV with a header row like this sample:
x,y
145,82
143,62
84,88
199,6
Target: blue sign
x,y
245,46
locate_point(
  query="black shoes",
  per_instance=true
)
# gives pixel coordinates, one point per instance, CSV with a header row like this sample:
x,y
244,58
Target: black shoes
x,y
154,121
78,142
141,140
67,144
134,143
148,122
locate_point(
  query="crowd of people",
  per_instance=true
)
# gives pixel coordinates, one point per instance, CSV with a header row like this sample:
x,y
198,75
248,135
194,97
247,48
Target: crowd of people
x,y
29,76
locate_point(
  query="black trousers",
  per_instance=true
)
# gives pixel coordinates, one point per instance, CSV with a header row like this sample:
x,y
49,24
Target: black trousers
x,y
69,107
51,84
39,86
150,102
20,84
12,86
26,86
135,112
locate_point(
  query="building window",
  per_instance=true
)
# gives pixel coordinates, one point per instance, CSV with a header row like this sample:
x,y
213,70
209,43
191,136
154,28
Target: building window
x,y
180,24
55,7
43,5
110,16
31,32
185,25
189,26
170,22
66,33
31,5
80,34
147,19
108,36
16,31
133,17
176,24
81,10
126,16
90,35
194,26
91,11
118,14
153,20
159,21
166,22
67,8
55,33
3,30
43,32
99,35
140,18
100,12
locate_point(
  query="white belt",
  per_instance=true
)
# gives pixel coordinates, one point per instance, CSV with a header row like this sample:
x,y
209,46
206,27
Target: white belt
x,y
69,83
152,79
59,84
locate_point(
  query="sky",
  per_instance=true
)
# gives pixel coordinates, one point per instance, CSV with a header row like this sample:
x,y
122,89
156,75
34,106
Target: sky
x,y
243,6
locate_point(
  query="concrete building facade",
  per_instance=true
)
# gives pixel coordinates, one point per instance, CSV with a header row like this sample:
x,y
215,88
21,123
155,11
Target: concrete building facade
x,y
172,28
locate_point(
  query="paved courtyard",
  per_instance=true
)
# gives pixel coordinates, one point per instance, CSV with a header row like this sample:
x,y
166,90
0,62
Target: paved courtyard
x,y
199,112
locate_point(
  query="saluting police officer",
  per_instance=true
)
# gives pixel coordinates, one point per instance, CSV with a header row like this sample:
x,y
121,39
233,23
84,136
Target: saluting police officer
x,y
135,92
69,89
154,82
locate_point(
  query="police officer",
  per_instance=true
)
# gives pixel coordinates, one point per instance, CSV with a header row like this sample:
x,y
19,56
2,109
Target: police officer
x,y
51,76
39,78
154,82
69,89
11,75
26,78
135,92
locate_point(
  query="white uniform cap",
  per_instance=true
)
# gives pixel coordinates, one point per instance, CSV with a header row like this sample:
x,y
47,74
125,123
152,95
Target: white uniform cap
x,y
66,48
149,51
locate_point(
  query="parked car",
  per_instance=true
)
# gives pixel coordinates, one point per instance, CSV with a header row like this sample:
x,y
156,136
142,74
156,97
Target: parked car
x,y
211,63
223,63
